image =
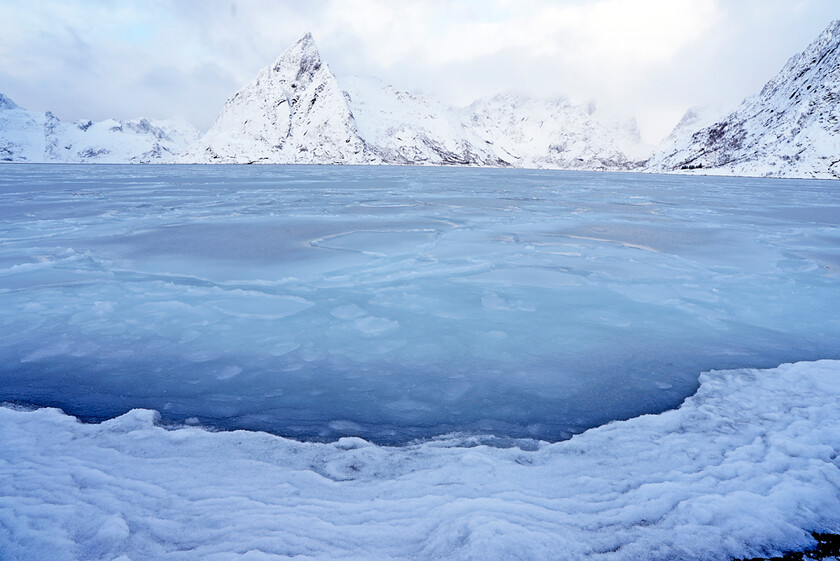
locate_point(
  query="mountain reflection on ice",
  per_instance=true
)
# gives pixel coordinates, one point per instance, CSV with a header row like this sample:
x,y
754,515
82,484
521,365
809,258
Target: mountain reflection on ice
x,y
395,303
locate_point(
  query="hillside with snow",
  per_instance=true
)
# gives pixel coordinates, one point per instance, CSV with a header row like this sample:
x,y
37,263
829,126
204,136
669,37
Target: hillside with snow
x,y
789,129
401,127
533,133
35,137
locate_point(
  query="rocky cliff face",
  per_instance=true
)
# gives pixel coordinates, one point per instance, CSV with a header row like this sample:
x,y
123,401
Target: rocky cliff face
x,y
790,129
31,136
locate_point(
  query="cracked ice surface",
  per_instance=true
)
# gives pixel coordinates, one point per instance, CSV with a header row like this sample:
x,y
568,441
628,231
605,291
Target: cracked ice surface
x,y
394,303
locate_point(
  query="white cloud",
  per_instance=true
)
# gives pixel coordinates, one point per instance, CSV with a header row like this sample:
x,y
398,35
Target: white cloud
x,y
641,31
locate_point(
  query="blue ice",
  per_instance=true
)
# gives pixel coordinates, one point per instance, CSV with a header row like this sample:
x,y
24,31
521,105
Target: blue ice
x,y
397,302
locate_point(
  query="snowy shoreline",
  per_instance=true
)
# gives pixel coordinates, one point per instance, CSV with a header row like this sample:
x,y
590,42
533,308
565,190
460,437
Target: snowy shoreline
x,y
688,173
747,466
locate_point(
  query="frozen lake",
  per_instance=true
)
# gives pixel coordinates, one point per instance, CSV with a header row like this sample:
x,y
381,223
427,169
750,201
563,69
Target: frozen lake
x,y
396,303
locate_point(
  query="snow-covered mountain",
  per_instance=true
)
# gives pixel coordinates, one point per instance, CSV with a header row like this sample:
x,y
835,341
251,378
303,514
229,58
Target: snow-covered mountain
x,y
295,111
31,136
790,129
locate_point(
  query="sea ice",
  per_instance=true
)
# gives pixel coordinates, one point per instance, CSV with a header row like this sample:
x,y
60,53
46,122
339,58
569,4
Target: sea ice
x,y
396,303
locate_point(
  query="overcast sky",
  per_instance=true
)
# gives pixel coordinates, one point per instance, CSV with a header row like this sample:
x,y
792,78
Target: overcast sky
x,y
651,59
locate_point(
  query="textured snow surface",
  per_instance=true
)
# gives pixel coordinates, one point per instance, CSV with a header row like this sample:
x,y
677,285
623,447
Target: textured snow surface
x,y
790,129
296,111
30,136
401,302
747,466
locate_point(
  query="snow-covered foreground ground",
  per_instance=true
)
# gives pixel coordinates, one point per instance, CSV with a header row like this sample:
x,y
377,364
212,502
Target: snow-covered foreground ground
x,y
395,303
746,466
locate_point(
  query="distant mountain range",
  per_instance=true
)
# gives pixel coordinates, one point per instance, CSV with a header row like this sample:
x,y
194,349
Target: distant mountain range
x,y
296,112
31,136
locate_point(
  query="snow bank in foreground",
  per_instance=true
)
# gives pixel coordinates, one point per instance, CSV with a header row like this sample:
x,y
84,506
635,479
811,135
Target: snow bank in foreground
x,y
750,461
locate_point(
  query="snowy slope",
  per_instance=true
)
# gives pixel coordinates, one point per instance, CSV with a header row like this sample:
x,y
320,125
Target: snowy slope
x,y
790,129
296,112
31,136
293,112
748,466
